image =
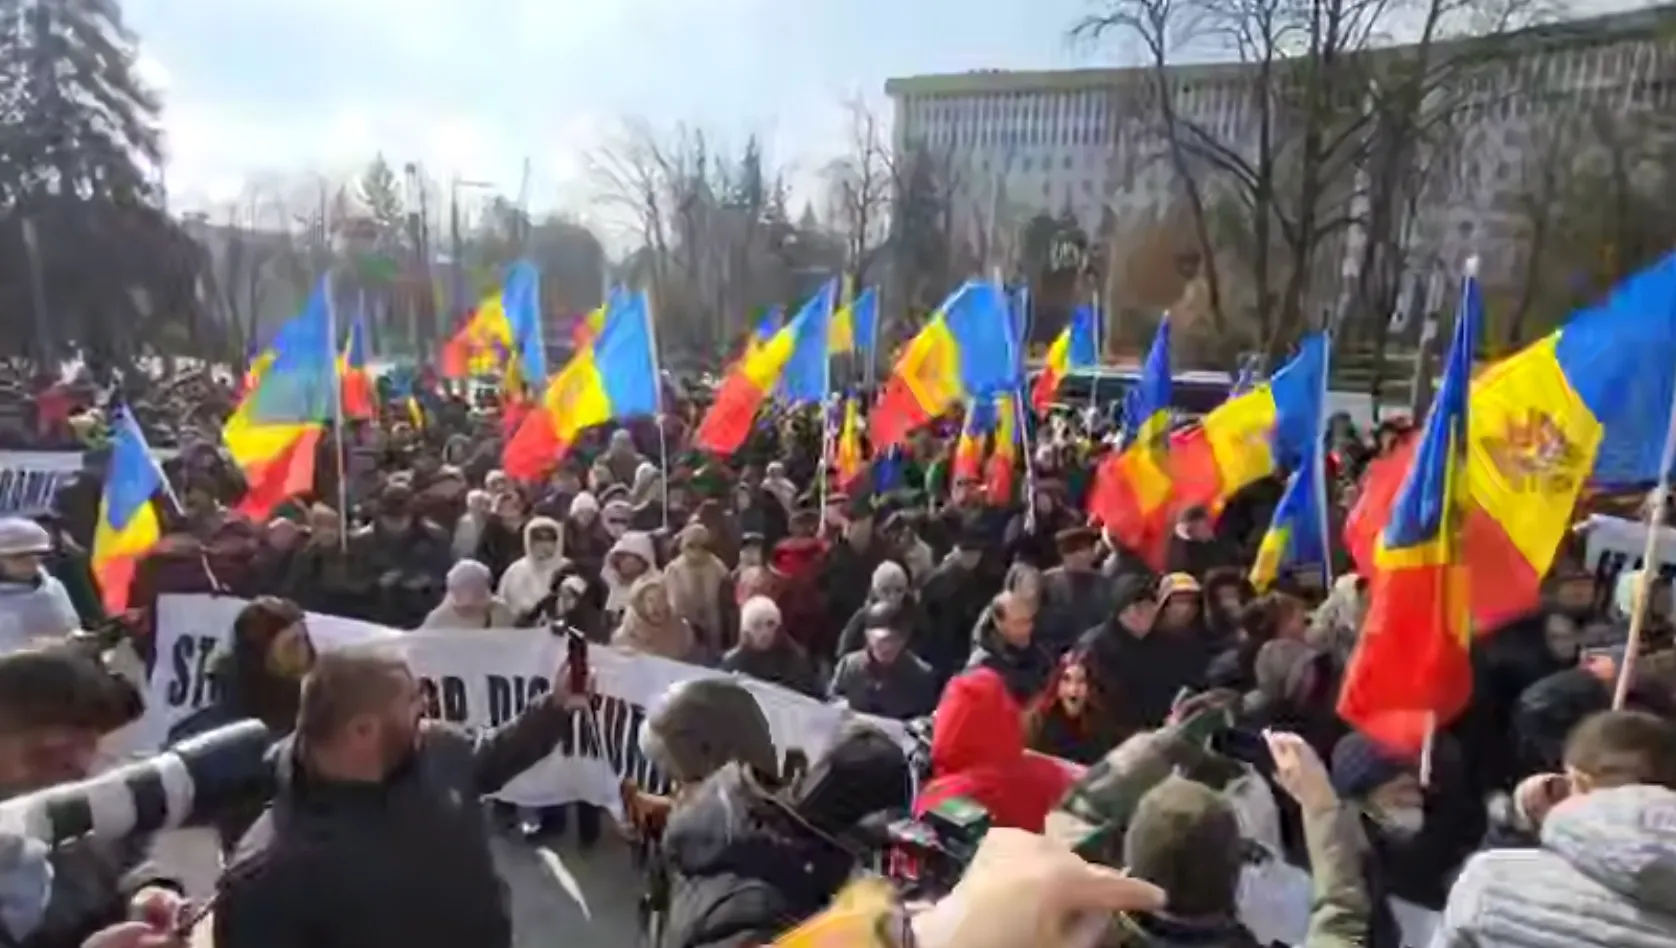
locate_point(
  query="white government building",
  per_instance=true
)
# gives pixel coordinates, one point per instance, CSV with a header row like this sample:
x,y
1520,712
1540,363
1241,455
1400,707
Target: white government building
x,y
1085,140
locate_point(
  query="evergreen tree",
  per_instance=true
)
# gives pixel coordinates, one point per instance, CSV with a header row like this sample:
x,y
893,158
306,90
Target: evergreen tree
x,y
80,163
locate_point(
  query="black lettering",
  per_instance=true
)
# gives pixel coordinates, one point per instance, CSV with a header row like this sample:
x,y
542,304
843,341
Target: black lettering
x,y
591,723
509,695
205,688
500,700
794,765
8,487
454,700
180,666
428,695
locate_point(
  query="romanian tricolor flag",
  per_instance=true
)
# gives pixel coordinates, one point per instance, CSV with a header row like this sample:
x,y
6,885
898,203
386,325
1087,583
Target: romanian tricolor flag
x,y
966,350
755,376
1003,452
1074,348
477,348
615,377
273,432
1411,673
973,444
849,458
1248,437
1131,491
359,400
128,526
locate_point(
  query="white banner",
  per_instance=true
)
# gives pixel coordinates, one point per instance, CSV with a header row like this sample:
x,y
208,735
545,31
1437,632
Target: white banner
x,y
483,678
29,480
478,679
1614,546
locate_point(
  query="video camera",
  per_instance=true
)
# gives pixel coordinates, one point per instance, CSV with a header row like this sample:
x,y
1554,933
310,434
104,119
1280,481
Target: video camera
x,y
188,784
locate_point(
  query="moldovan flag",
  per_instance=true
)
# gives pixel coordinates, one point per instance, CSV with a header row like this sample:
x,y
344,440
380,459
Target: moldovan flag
x,y
356,382
753,377
1547,416
128,526
1131,492
1073,348
615,377
966,350
1272,427
1411,672
849,461
1592,397
273,432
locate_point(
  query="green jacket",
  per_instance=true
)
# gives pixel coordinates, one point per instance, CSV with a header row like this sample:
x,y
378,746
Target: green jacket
x,y
1095,813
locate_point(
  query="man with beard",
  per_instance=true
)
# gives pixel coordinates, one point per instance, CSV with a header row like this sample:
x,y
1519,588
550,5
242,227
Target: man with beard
x,y
376,835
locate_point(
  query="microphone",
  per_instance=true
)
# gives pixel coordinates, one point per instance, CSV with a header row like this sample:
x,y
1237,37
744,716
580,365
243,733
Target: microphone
x,y
187,784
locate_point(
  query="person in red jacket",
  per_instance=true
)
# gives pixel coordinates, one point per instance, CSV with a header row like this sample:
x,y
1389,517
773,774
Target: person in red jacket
x,y
977,752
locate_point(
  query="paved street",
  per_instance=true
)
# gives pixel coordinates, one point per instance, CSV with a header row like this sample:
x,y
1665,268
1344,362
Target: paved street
x,y
560,896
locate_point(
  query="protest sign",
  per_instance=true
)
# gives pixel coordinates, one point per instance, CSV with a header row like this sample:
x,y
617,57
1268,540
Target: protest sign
x,y
29,480
1614,546
482,678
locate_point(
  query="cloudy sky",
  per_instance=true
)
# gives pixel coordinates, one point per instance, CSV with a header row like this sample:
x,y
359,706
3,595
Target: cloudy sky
x,y
473,87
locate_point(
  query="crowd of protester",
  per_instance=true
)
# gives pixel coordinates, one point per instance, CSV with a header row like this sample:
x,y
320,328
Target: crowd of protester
x,y
1067,685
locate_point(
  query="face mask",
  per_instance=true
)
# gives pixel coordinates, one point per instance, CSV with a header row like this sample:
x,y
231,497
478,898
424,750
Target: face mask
x,y
1403,822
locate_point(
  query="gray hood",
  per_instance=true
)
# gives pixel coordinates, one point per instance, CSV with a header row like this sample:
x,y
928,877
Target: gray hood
x,y
1623,839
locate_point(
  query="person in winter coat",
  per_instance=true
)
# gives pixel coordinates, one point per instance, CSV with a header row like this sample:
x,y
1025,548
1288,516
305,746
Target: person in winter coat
x,y
259,677
891,588
700,588
1068,719
884,677
404,558
468,602
321,577
632,556
1075,597
1006,644
1158,807
957,595
1139,670
56,703
529,579
650,625
585,543
977,752
1194,548
33,603
469,529
1338,620
764,652
794,567
502,538
848,567
744,871
1605,850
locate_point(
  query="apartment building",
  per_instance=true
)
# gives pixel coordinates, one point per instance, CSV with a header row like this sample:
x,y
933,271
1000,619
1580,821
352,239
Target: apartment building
x,y
1089,140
